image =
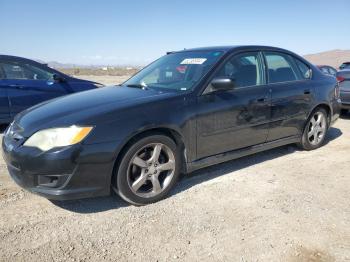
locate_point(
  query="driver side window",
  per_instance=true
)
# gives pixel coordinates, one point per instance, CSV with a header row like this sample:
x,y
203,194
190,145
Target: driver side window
x,y
244,69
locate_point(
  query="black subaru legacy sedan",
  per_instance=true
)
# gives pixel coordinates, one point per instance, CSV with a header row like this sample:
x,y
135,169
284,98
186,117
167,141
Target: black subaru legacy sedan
x,y
185,111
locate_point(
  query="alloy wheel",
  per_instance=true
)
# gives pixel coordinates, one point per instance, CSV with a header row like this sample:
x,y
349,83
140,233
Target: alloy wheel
x,y
151,170
317,128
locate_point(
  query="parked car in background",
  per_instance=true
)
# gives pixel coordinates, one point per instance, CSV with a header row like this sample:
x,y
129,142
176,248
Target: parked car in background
x,y
24,83
343,77
185,111
328,70
345,65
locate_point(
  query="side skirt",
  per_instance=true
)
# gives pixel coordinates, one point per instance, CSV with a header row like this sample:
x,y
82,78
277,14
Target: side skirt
x,y
227,156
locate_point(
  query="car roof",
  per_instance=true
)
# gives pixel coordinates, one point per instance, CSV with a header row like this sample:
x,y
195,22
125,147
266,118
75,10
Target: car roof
x,y
233,48
32,62
18,58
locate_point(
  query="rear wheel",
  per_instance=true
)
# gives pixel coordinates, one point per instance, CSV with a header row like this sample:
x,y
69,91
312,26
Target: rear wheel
x,y
315,130
148,170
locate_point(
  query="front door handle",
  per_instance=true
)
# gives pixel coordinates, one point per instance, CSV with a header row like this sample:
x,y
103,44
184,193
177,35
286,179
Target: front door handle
x,y
17,86
262,99
307,92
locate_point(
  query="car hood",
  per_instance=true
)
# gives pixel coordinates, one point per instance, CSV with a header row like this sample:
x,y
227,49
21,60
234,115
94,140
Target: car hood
x,y
85,108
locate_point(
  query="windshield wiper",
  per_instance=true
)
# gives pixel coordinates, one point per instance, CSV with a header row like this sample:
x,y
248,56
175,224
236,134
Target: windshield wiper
x,y
137,86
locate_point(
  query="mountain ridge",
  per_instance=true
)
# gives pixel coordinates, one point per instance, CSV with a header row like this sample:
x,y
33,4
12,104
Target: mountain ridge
x,y
333,57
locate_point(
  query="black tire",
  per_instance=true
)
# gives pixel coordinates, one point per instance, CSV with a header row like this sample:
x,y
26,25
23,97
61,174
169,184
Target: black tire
x,y
305,141
122,184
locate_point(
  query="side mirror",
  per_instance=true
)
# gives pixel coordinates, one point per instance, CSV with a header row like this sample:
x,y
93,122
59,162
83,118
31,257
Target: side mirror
x,y
58,79
223,84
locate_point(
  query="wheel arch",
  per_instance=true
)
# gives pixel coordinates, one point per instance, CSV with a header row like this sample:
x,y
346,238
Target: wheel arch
x,y
326,107
166,131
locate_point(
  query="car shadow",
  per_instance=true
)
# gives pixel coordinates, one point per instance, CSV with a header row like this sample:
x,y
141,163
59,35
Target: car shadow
x,y
345,115
3,128
92,205
212,172
101,204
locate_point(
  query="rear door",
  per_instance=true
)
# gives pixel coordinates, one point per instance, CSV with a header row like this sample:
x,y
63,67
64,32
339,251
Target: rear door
x,y
28,85
292,92
4,102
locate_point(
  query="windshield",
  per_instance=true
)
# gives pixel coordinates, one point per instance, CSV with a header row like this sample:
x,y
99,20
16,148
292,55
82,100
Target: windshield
x,y
176,71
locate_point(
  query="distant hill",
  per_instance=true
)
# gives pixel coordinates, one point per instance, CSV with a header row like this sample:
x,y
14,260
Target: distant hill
x,y
54,64
333,57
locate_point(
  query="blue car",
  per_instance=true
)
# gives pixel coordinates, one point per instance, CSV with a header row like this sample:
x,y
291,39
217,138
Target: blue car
x,y
24,83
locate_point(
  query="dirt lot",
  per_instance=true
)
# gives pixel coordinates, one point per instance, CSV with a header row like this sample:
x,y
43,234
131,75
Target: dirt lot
x,y
105,79
280,205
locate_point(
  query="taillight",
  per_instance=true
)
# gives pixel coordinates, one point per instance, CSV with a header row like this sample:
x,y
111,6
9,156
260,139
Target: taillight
x,y
337,92
340,79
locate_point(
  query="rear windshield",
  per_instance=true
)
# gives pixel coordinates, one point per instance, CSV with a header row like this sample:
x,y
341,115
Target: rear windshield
x,y
345,65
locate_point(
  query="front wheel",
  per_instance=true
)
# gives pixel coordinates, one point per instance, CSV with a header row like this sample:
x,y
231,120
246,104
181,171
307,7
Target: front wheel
x,y
148,170
315,130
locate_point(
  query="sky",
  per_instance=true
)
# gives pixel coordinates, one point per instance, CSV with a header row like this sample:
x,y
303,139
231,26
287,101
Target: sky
x,y
131,32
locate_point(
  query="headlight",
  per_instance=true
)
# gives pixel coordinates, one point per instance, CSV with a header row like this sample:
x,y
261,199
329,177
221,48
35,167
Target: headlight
x,y
57,137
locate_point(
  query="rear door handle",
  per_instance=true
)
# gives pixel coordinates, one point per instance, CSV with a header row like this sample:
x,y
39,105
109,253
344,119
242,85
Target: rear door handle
x,y
262,99
307,92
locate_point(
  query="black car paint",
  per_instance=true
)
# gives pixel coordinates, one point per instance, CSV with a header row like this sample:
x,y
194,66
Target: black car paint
x,y
210,127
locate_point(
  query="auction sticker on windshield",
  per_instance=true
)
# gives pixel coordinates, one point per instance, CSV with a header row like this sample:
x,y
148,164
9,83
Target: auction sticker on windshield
x,y
193,61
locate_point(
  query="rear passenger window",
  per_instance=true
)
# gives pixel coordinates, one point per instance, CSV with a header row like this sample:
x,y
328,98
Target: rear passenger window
x,y
303,68
324,70
332,71
280,67
13,71
24,72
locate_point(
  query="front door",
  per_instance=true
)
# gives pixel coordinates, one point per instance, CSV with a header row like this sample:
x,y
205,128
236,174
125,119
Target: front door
x,y
238,118
4,102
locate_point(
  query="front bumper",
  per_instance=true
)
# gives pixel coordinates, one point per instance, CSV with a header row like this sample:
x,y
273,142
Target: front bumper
x,y
73,172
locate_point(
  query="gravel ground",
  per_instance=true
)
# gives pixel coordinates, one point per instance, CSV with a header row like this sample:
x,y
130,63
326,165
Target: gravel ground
x,y
105,79
280,205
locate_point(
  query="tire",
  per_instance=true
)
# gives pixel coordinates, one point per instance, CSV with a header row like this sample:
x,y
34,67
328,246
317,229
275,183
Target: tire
x,y
315,130
150,159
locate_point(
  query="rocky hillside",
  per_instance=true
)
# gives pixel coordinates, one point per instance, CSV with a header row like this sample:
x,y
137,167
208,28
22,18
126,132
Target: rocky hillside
x,y
333,58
